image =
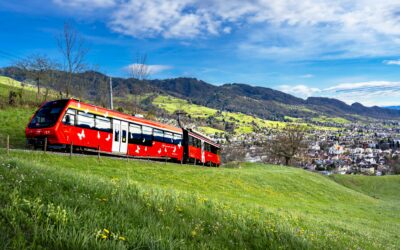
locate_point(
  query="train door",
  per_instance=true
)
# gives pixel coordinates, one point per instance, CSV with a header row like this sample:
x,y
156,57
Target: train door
x,y
120,136
124,138
116,135
203,156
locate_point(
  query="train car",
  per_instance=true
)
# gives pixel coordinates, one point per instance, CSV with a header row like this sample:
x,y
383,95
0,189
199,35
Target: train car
x,y
69,122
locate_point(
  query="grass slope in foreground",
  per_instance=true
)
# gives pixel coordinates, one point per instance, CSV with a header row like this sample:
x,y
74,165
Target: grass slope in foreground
x,y
56,202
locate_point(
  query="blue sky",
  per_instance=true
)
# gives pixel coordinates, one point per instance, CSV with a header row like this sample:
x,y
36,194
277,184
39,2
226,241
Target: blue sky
x,y
342,49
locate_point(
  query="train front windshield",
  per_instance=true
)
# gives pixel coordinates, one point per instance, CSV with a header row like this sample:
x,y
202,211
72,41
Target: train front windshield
x,y
48,114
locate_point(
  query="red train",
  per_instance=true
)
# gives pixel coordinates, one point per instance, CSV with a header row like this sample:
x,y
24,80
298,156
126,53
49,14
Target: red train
x,y
85,126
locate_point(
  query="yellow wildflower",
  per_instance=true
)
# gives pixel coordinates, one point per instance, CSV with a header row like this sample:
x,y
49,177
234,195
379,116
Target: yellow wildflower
x,y
194,233
106,231
122,238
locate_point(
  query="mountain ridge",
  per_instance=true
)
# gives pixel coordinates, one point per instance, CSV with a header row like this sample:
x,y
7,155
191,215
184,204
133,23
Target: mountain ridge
x,y
260,101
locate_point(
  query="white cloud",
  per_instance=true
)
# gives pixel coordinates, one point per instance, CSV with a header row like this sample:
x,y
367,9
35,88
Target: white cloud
x,y
380,93
275,29
392,62
302,91
153,69
86,4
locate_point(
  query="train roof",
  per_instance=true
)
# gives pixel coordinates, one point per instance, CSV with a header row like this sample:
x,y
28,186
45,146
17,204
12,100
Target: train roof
x,y
86,107
205,138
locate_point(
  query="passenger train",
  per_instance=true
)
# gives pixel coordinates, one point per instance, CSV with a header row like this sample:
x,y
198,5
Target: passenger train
x,y
70,122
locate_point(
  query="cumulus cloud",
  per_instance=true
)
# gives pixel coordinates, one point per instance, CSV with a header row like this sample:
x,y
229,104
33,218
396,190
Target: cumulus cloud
x,y
276,29
153,69
392,62
85,4
302,91
380,93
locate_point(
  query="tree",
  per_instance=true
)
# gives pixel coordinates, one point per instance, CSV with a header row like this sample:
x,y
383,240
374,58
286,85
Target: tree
x,y
72,47
287,143
139,71
39,68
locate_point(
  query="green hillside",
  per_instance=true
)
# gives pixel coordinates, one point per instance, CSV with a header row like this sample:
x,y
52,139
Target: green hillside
x,y
244,124
53,201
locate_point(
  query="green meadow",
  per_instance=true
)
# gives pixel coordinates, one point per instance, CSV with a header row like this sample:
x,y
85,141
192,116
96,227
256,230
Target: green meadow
x,y
56,202
52,201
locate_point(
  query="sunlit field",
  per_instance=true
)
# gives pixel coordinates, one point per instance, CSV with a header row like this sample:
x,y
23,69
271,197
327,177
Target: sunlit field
x,y
54,201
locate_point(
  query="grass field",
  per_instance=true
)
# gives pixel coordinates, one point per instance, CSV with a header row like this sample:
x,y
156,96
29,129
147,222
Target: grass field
x,y
56,202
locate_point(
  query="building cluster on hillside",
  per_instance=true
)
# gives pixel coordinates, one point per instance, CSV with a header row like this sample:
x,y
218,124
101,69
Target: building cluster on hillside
x,y
352,149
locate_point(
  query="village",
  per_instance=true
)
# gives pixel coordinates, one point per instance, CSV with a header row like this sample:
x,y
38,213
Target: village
x,y
355,148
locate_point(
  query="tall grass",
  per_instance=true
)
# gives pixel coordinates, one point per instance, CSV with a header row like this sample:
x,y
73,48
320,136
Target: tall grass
x,y
55,202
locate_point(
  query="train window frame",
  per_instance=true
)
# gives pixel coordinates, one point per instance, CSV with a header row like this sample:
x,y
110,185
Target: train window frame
x,y
72,114
207,147
124,135
139,136
198,143
104,120
177,139
158,135
147,133
116,132
168,137
86,115
214,149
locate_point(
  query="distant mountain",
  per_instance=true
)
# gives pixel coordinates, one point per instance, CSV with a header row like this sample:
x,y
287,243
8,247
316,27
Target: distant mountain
x,y
236,97
393,107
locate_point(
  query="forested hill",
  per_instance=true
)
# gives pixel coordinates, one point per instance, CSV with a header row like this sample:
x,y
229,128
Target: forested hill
x,y
259,101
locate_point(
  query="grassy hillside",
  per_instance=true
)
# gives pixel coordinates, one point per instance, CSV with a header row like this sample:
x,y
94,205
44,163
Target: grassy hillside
x,y
53,201
15,118
244,124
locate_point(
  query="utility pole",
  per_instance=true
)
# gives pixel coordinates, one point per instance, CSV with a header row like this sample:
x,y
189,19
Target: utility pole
x,y
111,95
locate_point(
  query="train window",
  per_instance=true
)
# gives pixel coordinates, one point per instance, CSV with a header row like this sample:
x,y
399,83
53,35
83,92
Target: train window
x,y
116,131
85,120
69,117
103,123
177,139
214,149
116,135
198,143
207,147
47,115
123,135
191,143
147,134
158,135
168,137
135,133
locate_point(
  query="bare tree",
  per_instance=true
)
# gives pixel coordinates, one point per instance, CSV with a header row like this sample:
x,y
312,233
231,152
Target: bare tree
x,y
72,47
140,71
287,143
39,68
